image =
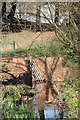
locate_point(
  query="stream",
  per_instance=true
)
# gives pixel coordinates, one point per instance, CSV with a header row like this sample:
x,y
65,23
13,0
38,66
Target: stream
x,y
44,111
47,113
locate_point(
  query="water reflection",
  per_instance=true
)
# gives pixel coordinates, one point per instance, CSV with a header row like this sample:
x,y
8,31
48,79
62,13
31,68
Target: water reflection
x,y
44,110
47,113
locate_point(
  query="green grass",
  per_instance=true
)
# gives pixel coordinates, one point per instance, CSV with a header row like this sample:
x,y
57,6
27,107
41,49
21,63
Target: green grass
x,y
46,49
11,108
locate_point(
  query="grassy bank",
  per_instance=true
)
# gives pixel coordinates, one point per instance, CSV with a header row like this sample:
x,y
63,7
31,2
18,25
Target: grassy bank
x,y
45,49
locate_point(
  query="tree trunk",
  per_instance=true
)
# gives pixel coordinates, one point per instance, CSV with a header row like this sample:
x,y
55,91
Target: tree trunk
x,y
20,10
14,22
12,11
38,20
56,13
41,114
3,11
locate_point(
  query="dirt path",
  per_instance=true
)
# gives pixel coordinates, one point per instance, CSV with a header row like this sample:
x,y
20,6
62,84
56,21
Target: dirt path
x,y
25,38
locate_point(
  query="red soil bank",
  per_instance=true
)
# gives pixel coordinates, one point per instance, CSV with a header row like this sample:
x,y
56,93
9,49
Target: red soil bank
x,y
55,65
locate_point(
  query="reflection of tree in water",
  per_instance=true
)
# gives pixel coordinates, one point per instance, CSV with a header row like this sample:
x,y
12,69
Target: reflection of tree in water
x,y
41,114
49,78
49,113
43,117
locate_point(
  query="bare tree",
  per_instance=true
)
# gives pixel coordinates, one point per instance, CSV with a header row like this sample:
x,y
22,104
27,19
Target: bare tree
x,y
38,18
3,11
56,14
12,11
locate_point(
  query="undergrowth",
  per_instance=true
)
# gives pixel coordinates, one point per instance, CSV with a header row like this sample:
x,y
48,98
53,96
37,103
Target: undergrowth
x,y
12,106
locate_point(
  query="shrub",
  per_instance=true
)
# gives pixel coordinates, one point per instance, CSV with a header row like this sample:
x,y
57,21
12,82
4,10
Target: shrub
x,y
10,109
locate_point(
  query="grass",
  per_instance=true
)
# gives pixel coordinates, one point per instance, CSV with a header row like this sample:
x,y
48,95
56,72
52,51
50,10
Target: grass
x,y
11,105
46,49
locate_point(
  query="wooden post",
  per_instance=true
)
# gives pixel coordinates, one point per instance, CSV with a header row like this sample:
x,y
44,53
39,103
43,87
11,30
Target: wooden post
x,y
14,50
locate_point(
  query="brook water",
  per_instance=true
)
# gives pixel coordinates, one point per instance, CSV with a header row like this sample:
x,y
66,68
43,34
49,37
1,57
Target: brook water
x,y
44,110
